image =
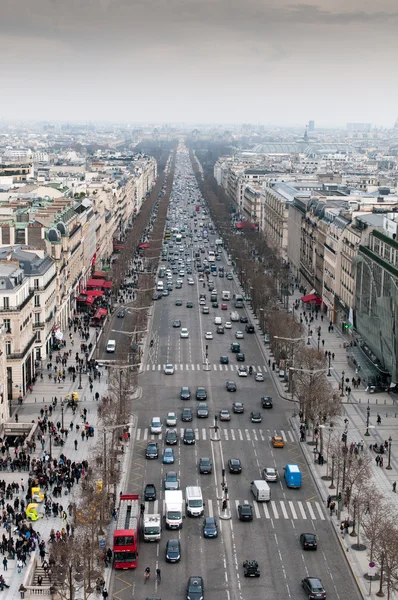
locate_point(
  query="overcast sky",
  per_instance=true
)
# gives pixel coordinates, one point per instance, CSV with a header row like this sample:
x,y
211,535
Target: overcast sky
x,y
258,61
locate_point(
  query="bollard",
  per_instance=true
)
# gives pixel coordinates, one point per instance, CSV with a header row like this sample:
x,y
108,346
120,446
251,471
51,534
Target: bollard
x,y
35,400
360,400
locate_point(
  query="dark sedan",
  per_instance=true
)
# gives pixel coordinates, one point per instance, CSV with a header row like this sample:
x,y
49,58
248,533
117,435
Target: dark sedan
x,y
185,393
230,386
240,357
173,551
266,402
308,541
201,393
210,529
234,465
245,512
150,492
195,588
224,360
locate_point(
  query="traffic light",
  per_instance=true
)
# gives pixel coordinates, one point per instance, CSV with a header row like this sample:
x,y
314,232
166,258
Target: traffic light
x,y
226,491
347,325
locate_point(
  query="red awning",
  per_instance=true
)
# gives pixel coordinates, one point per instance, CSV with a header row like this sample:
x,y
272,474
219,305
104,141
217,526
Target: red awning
x,y
99,275
81,298
143,246
99,313
95,283
107,285
311,298
95,293
90,300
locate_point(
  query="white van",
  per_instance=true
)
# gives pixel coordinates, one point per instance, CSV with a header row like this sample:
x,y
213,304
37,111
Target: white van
x,y
234,316
217,321
194,501
111,346
260,490
226,295
159,286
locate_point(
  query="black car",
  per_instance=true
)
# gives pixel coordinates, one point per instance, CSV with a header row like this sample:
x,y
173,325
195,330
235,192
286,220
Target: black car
x,y
234,465
202,411
251,568
150,492
185,393
205,466
255,417
210,529
249,328
308,541
244,319
195,588
152,450
245,512
240,357
177,323
201,393
189,436
220,329
230,386
266,402
171,437
173,551
224,360
121,313
178,302
214,304
186,415
313,587
238,408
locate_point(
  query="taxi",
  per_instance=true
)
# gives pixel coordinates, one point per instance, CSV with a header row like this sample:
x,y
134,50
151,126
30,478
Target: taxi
x,y
277,441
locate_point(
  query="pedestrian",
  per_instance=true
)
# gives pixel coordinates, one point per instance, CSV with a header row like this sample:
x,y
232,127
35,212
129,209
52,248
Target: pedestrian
x,y
19,565
381,463
378,419
104,593
377,459
323,342
5,561
332,355
329,500
332,507
394,488
75,444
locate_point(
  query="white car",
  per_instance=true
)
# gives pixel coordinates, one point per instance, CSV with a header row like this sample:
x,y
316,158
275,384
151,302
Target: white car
x,y
191,282
208,335
202,302
239,335
242,371
180,281
184,333
171,420
169,370
228,325
156,425
259,377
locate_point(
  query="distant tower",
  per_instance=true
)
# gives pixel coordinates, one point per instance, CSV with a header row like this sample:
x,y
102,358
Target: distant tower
x,y
311,125
306,134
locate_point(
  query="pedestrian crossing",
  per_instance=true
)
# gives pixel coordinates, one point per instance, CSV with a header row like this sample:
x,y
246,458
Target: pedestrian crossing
x,y
278,510
240,435
199,367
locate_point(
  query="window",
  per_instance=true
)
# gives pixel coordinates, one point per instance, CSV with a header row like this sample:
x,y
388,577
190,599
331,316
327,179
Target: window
x,y
6,302
7,325
37,300
38,337
8,348
36,284
37,318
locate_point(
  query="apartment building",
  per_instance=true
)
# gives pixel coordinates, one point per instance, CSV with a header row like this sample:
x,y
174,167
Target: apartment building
x,y
27,307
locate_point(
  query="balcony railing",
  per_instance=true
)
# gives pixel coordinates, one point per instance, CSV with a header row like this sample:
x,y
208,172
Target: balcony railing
x,y
19,355
38,325
42,288
20,306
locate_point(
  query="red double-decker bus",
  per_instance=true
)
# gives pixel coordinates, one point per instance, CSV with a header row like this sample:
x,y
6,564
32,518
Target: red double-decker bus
x,y
126,536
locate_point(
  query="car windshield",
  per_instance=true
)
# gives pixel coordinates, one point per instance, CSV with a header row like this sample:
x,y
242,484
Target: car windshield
x,y
195,587
171,477
195,503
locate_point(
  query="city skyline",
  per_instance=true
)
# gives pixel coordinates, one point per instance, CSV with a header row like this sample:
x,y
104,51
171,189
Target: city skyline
x,y
271,63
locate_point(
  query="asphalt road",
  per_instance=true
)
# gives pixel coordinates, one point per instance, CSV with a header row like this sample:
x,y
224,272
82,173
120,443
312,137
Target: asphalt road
x,y
272,538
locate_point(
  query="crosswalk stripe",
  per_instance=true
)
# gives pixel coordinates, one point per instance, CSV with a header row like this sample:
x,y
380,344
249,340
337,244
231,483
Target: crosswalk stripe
x,y
159,367
187,367
262,436
156,507
220,367
274,510
256,509
193,367
291,436
266,511
197,434
233,434
247,435
283,434
293,511
240,435
148,367
284,511
319,509
258,369
210,508
138,435
198,367
226,435
304,516
312,514
145,434
204,434
231,367
255,435
153,367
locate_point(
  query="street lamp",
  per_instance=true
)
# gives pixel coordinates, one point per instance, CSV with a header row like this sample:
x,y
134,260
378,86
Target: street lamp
x,y
62,414
342,385
80,387
367,420
332,486
309,335
389,467
51,447
330,360
319,339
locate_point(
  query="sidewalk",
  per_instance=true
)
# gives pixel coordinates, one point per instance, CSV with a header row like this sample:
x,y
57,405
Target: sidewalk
x,y
43,394
355,410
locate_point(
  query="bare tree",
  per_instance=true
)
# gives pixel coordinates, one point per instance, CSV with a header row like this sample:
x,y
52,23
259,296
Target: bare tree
x,y
375,517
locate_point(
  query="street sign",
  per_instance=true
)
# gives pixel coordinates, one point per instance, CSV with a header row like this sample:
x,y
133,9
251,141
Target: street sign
x,y
372,565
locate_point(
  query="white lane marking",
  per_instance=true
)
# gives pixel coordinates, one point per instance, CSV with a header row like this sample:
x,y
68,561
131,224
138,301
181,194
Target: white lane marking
x,y
138,435
193,367
160,366
312,514
300,505
262,436
145,434
210,508
247,435
274,509
187,367
233,434
255,435
256,509
198,367
266,511
226,434
204,434
283,434
319,509
197,434
291,436
240,435
293,510
283,507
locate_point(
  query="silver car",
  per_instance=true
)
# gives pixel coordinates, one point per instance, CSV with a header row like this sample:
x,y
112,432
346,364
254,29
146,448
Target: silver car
x,y
171,481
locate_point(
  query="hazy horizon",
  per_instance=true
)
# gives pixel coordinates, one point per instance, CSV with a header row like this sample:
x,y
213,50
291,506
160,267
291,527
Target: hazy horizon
x,y
275,63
